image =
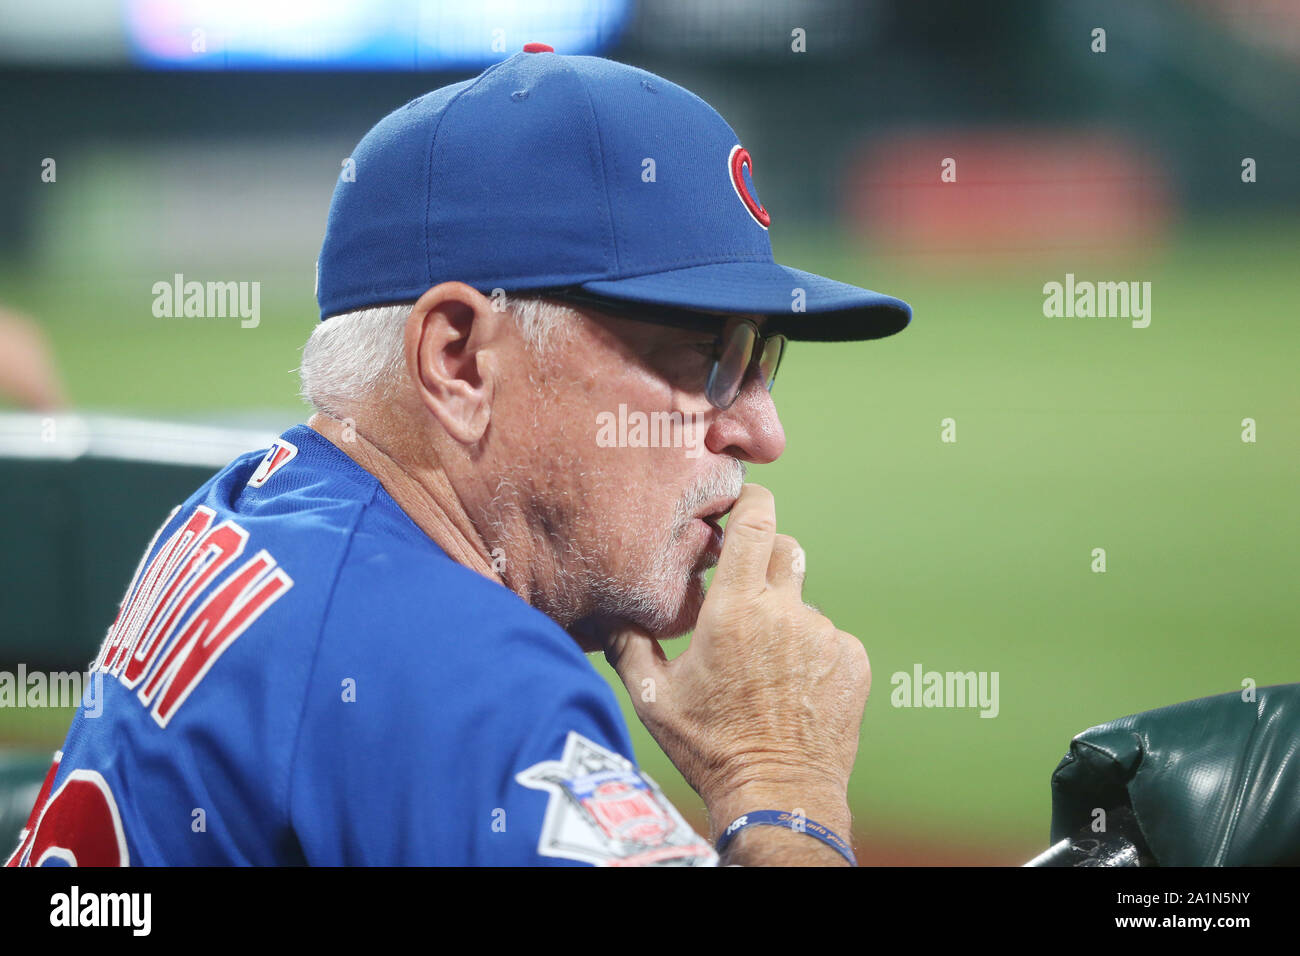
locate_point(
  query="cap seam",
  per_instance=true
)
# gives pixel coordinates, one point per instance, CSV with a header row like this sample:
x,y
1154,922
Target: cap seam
x,y
600,157
433,140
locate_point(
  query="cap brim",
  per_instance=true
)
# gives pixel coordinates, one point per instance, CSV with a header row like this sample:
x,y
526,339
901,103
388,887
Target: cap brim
x,y
831,311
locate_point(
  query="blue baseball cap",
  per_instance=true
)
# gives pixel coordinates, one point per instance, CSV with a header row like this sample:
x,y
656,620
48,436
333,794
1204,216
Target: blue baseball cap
x,y
548,172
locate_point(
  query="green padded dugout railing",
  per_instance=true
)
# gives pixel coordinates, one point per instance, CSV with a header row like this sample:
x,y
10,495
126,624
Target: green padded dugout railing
x,y
81,497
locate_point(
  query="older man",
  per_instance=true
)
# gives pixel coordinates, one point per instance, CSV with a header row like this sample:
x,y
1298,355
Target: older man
x,y
551,323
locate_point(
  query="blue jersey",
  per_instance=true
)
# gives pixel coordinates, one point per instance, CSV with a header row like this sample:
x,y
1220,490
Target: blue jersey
x,y
299,675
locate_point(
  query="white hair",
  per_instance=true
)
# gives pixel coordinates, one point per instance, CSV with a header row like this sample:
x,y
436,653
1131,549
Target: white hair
x,y
358,356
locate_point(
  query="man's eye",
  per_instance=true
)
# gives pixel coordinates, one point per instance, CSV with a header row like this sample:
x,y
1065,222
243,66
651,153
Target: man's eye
x,y
687,363
698,357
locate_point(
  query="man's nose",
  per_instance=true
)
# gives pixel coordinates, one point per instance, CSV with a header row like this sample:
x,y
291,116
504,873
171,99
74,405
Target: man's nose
x,y
750,429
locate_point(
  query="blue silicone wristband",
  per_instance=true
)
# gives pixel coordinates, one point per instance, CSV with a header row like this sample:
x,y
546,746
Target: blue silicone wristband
x,y
791,821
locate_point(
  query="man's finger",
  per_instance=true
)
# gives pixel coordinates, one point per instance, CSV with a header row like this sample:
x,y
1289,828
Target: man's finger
x,y
786,569
636,657
747,542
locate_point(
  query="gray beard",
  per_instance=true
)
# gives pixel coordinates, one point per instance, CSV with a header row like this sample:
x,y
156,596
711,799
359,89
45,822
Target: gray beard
x,y
578,584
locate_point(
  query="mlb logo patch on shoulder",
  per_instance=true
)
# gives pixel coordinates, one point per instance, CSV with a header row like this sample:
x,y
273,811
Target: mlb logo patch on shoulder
x,y
604,811
277,456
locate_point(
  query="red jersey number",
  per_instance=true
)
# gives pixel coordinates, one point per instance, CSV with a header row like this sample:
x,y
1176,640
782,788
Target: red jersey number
x,y
79,825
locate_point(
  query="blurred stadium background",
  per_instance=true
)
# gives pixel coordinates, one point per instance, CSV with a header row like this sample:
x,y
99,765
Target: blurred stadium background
x,y
213,154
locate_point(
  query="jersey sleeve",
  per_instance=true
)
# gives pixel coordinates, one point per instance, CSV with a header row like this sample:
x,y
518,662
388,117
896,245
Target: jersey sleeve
x,y
476,734
595,805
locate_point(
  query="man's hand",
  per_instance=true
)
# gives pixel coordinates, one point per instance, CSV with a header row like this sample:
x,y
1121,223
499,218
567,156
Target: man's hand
x,y
763,710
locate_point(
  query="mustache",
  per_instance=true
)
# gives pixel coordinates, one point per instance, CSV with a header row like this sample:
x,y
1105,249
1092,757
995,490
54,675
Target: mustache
x,y
725,484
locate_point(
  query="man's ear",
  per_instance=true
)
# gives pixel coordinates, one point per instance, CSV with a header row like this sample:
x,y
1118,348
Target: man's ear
x,y
452,336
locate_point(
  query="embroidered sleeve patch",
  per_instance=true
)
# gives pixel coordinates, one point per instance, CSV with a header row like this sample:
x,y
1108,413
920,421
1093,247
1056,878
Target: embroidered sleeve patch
x,y
604,811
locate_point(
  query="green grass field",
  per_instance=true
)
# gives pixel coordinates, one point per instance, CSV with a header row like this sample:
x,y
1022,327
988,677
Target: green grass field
x,y
1072,434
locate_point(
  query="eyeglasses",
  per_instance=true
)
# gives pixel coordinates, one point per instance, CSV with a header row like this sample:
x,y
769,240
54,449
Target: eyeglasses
x,y
738,347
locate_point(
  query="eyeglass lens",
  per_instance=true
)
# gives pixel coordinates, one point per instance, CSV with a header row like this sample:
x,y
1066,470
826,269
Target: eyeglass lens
x,y
732,365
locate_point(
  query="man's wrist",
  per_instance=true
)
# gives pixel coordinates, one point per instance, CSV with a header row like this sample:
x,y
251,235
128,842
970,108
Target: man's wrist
x,y
795,822
829,809
779,846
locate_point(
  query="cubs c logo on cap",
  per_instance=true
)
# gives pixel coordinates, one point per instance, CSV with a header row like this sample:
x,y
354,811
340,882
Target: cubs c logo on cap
x,y
736,164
